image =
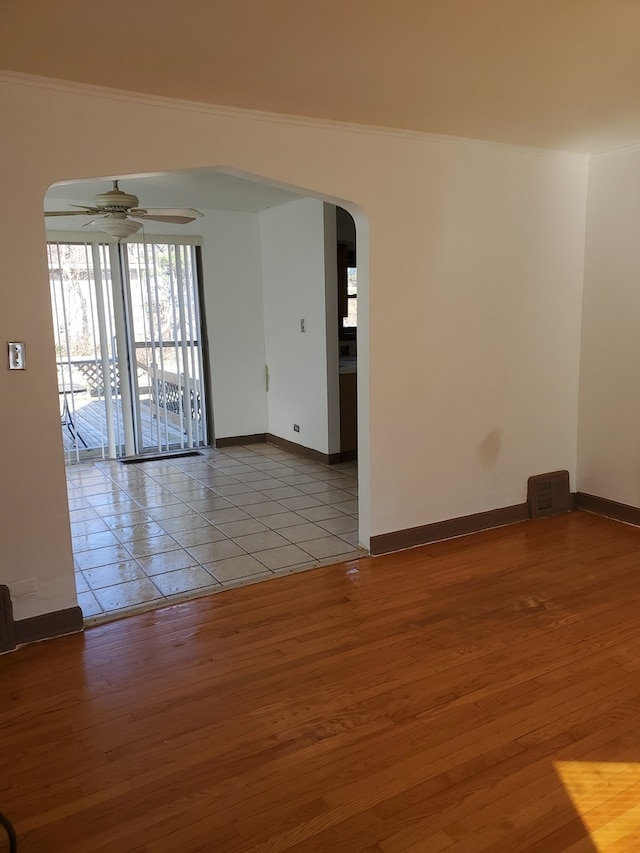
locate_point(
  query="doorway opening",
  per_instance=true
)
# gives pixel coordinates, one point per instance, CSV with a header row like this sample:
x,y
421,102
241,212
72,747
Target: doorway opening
x,y
149,533
347,263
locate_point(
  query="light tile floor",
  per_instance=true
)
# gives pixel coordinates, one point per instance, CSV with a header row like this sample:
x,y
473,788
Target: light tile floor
x,y
156,532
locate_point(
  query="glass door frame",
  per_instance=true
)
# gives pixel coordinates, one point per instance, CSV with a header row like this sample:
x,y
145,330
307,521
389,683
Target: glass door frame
x,y
111,310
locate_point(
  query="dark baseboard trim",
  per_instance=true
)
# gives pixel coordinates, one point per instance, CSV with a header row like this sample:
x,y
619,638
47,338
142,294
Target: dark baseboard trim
x,y
610,509
7,632
305,452
291,446
385,543
49,625
235,440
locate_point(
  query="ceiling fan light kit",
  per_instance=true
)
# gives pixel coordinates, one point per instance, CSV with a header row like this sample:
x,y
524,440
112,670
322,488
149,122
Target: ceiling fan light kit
x,y
118,213
120,228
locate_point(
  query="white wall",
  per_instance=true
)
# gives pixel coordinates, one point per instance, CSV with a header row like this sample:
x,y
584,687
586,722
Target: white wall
x,y
475,329
470,271
233,305
609,425
293,274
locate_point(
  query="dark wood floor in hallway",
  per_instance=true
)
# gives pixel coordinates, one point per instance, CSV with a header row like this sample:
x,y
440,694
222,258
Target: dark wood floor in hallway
x,y
480,694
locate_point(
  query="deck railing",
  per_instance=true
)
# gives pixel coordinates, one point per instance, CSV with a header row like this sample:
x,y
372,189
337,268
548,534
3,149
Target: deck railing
x,y
169,391
92,372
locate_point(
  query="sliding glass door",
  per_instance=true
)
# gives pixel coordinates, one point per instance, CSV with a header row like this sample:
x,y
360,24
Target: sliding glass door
x,y
164,318
128,347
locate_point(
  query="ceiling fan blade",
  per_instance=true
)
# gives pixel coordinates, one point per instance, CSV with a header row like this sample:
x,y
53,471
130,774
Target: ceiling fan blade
x,y
158,217
68,212
166,211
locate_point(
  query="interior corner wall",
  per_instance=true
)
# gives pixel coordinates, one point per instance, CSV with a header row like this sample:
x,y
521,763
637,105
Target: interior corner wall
x,y
609,408
233,309
293,275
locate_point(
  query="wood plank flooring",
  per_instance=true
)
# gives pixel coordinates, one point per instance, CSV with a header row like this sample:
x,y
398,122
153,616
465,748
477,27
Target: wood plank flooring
x,y
90,420
480,694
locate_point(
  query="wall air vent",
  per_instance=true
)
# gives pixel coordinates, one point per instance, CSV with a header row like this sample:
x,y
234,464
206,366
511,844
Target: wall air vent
x,y
7,640
548,494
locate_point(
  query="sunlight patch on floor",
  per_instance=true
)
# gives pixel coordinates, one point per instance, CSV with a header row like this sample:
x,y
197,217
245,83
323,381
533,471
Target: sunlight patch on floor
x,y
606,796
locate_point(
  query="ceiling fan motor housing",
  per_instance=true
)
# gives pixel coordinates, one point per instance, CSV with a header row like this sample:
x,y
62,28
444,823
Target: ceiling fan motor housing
x,y
116,200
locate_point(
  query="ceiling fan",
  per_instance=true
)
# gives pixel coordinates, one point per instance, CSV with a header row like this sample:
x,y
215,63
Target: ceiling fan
x,y
117,213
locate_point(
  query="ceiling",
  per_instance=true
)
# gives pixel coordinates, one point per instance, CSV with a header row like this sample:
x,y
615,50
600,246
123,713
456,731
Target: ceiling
x,y
204,189
557,74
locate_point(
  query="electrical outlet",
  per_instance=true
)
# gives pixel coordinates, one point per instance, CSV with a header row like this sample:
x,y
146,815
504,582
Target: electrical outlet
x,y
17,359
296,427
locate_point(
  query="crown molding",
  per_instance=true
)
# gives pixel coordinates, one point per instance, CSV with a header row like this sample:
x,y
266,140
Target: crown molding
x,y
243,113
622,151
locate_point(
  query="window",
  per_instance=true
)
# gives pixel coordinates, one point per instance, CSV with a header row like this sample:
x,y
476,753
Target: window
x,y
350,321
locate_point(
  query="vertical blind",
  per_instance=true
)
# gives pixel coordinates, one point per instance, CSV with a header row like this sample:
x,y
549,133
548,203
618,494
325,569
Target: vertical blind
x,y
128,347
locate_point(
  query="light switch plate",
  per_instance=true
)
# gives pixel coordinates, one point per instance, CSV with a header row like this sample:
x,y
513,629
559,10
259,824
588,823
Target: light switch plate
x,y
17,360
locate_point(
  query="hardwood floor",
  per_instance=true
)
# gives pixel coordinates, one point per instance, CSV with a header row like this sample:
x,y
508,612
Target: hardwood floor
x,y
480,694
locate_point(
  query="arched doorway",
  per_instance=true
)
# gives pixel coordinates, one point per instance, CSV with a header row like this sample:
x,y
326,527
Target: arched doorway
x,y
229,254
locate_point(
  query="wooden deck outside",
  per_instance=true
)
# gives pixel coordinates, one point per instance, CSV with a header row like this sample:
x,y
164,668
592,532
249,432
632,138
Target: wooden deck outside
x,y
89,420
475,695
